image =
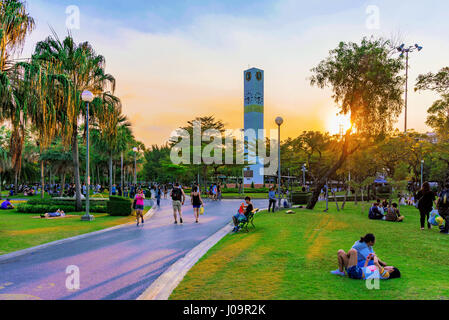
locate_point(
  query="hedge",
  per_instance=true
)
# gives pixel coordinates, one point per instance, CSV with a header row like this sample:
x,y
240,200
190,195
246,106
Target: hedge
x,y
32,208
119,206
63,202
301,198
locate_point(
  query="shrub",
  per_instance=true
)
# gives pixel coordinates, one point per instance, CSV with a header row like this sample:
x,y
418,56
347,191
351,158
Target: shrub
x,y
119,206
36,208
39,209
301,198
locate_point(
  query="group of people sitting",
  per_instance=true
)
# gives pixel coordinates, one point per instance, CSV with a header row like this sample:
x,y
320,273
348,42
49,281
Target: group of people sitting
x,y
384,211
362,263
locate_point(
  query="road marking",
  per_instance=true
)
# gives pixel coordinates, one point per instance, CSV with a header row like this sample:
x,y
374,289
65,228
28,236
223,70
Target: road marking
x,y
44,286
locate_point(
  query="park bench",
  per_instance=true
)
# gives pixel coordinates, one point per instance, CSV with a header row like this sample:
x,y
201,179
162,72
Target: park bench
x,y
249,220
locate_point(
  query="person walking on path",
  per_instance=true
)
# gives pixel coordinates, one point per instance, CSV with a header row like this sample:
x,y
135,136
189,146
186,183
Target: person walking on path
x,y
197,202
443,208
140,197
426,199
179,197
272,199
158,196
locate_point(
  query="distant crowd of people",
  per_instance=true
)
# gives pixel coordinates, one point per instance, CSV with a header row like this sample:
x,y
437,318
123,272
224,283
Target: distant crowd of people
x,y
425,200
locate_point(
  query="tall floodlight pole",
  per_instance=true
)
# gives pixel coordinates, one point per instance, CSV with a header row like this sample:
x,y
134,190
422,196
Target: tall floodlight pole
x,y
422,170
87,97
304,174
135,166
405,51
279,121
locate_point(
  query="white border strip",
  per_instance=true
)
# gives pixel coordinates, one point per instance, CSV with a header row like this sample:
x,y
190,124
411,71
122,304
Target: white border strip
x,y
162,287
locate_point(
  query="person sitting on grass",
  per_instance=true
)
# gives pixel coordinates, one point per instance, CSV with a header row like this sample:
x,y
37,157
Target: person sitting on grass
x,y
374,212
371,269
7,205
57,214
243,214
393,214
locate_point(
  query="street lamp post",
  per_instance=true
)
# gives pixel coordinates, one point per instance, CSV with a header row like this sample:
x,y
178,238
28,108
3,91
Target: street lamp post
x,y
304,174
135,165
422,169
403,50
279,121
87,97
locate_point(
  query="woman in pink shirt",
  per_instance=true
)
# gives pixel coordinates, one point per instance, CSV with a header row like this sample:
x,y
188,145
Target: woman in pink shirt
x,y
140,197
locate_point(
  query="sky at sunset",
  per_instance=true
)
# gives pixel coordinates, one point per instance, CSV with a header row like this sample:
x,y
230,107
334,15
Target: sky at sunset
x,y
175,60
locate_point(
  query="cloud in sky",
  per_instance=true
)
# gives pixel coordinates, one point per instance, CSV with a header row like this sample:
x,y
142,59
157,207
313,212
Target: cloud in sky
x,y
178,60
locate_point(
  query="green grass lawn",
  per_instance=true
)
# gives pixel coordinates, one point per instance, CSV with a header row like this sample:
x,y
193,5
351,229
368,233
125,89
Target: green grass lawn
x,y
20,231
290,257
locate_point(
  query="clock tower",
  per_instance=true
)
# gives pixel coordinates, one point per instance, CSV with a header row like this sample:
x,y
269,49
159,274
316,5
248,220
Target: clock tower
x,y
254,119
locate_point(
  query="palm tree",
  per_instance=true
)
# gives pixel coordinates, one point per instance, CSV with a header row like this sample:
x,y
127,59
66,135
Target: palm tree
x,y
15,25
74,68
111,126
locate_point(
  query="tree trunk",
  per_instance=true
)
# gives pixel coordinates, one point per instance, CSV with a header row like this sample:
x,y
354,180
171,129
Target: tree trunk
x,y
76,172
16,181
336,200
62,184
110,173
121,171
322,181
344,201
42,180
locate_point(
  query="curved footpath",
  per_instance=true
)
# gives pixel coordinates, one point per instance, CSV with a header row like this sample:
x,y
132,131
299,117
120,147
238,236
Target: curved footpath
x,y
118,264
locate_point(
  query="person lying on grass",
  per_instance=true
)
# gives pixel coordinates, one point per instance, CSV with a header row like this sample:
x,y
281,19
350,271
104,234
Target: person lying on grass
x,y
364,248
243,213
7,205
56,214
349,263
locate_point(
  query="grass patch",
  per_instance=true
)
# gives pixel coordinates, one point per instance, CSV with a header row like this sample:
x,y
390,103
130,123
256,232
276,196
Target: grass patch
x,y
20,231
290,257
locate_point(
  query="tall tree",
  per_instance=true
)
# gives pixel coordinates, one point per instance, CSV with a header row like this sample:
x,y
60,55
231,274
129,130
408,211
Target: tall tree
x,y
15,25
75,68
366,84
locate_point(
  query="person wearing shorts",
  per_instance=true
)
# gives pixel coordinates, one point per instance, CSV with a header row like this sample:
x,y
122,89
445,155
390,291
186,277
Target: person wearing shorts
x,y
179,197
196,201
140,197
374,270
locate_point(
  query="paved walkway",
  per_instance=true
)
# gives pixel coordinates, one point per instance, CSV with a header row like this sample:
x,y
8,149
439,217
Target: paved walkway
x,y
115,265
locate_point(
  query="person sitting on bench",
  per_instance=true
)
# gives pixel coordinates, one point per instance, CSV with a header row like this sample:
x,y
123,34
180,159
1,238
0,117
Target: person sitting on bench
x,y
7,205
243,213
56,214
